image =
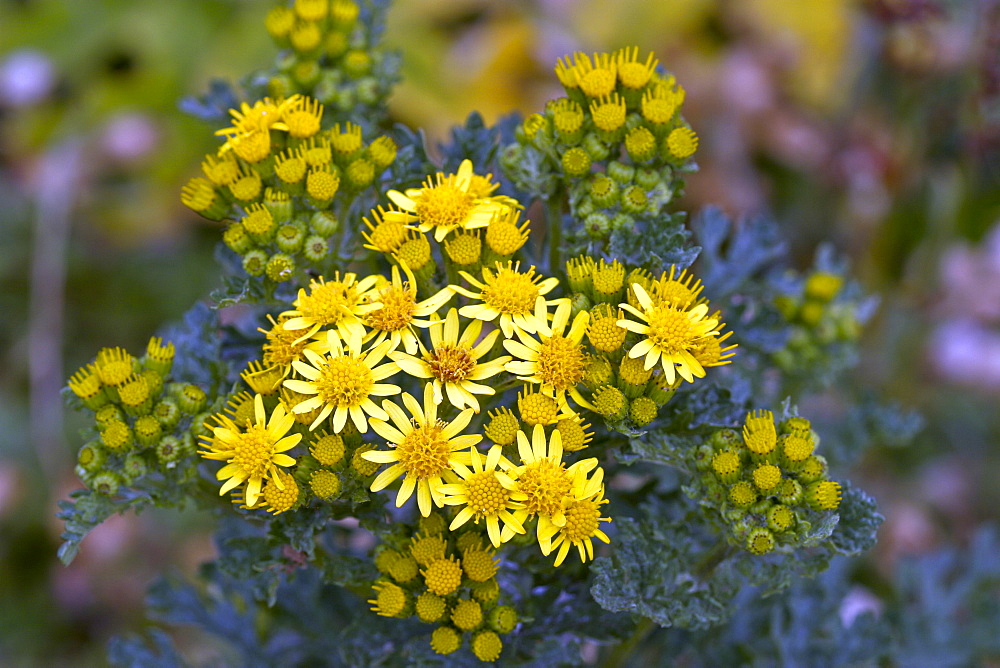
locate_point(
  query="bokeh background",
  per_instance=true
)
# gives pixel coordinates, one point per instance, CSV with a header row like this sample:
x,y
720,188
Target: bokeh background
x,y
871,124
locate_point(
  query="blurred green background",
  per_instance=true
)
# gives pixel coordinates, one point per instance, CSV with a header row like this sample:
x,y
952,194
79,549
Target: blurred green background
x,y
873,124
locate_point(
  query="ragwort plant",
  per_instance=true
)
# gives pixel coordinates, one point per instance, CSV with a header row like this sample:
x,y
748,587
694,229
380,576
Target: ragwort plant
x,y
441,431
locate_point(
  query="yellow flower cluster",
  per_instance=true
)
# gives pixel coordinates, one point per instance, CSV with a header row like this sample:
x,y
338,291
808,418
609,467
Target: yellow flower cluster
x,y
141,418
275,179
638,361
617,140
445,579
767,483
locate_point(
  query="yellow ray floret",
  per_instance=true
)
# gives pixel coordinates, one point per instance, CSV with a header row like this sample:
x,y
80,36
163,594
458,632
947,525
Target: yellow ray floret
x,y
338,304
450,202
401,312
510,295
422,449
556,360
453,362
485,494
253,453
544,484
342,382
671,334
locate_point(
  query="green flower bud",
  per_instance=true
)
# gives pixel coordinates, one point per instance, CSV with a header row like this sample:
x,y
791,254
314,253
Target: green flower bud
x,y
280,268
106,483
595,148
289,238
315,249
255,263
621,173
236,238
324,224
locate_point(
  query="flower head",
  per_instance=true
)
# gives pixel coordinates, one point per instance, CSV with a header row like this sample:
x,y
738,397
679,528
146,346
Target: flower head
x,y
401,312
339,304
672,333
343,381
583,524
544,484
556,360
511,295
447,203
253,453
453,362
485,494
423,449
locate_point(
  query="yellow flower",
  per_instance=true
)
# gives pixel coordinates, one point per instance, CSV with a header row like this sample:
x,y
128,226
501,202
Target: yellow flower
x,y
254,453
671,334
544,484
510,295
386,235
485,493
555,360
343,382
447,203
454,362
263,116
583,524
424,448
338,303
400,311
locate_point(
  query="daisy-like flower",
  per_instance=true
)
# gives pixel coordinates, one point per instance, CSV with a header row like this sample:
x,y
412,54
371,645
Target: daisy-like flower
x,y
254,453
339,303
400,311
511,295
672,333
447,203
453,362
422,449
343,381
544,484
556,360
265,114
486,494
583,524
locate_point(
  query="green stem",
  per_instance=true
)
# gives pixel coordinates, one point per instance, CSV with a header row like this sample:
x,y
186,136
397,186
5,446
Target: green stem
x,y
620,654
553,218
712,559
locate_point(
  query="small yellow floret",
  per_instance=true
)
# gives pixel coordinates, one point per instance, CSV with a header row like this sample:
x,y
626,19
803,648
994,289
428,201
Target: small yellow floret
x,y
467,615
281,493
430,607
325,484
479,565
443,576
445,640
537,408
502,427
766,477
426,549
682,142
486,645
390,599
824,495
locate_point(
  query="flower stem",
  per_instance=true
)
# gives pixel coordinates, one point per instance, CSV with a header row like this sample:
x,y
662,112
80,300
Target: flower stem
x,y
620,654
715,556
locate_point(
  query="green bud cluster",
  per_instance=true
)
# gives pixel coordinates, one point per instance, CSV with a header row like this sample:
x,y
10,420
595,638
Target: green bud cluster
x,y
766,483
278,208
446,579
821,317
617,140
141,421
329,54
